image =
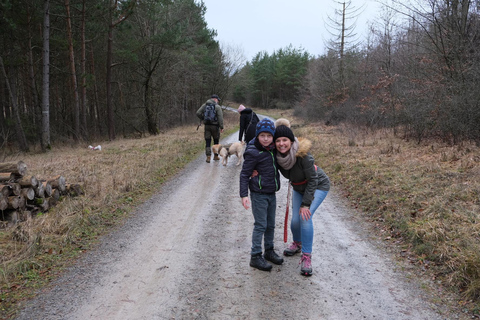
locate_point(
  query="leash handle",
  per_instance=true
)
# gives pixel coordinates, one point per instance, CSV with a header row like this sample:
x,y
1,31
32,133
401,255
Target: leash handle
x,y
285,225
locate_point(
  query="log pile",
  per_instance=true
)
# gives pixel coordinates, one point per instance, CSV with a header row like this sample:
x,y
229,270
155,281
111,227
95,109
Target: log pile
x,y
23,196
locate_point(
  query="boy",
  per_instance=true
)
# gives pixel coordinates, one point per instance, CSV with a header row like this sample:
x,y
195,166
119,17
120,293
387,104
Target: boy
x,y
260,156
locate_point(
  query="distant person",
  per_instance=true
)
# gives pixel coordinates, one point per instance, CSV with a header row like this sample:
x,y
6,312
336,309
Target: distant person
x,y
310,187
260,156
212,116
248,124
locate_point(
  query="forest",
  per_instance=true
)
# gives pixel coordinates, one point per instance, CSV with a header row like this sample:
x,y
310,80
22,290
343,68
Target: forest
x,y
79,70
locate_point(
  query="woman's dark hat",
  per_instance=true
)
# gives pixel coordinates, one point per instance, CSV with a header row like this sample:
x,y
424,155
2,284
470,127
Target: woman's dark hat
x,y
283,131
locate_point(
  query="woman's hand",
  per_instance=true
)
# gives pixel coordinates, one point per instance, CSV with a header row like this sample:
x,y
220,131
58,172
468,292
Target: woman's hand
x,y
254,174
305,213
246,203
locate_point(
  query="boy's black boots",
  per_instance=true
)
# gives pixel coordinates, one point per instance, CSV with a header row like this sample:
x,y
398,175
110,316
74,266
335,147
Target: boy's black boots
x,y
257,261
271,256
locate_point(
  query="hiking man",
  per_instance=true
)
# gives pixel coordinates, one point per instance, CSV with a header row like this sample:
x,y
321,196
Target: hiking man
x,y
212,116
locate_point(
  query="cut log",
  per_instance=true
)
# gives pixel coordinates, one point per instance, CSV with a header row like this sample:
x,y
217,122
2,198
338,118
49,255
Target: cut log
x,y
15,202
52,202
19,168
41,203
74,189
45,206
33,209
3,202
5,189
39,190
12,217
16,188
48,188
28,193
56,194
26,215
28,182
7,176
58,182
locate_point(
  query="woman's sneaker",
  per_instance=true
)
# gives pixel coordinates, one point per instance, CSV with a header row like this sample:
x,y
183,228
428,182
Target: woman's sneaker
x,y
292,249
306,265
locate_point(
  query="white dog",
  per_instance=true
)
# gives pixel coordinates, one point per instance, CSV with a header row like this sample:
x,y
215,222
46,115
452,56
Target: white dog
x,y
225,151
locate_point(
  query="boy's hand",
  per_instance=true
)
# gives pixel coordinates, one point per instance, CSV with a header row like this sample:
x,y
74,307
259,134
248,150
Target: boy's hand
x,y
246,203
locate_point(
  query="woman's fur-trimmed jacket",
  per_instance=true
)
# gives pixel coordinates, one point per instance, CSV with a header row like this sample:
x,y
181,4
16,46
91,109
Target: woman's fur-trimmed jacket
x,y
304,176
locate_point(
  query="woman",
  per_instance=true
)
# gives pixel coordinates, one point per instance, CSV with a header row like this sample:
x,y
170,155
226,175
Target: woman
x,y
310,187
248,124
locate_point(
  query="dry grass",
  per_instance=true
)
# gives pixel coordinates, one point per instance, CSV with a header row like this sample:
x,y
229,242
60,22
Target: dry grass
x,y
116,179
424,197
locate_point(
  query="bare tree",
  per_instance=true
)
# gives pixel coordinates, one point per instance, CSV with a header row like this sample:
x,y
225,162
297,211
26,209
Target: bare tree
x,y
342,28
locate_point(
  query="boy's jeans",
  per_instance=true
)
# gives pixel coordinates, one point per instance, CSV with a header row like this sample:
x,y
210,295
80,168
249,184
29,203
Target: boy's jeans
x,y
263,209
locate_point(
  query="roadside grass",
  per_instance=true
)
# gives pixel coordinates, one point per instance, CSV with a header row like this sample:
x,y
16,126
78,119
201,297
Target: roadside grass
x,y
125,173
422,199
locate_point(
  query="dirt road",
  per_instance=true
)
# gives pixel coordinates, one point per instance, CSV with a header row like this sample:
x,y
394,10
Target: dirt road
x,y
184,254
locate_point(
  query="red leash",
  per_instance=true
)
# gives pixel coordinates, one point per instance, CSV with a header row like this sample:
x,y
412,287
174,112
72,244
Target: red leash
x,y
285,227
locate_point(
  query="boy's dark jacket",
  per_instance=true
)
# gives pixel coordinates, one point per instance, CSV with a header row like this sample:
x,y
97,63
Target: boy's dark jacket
x,y
258,158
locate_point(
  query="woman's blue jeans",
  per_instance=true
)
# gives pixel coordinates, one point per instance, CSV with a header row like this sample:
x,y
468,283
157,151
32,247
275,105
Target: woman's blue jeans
x,y
263,209
302,230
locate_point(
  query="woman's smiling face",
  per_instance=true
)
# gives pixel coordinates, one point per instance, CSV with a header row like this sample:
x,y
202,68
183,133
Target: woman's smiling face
x,y
283,144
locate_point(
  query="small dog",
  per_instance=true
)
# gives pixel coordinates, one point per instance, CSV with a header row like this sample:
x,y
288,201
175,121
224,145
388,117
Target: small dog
x,y
225,151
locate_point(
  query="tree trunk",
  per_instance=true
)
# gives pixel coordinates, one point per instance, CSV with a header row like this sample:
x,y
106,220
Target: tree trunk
x,y
73,75
120,17
83,64
46,79
110,113
37,115
21,139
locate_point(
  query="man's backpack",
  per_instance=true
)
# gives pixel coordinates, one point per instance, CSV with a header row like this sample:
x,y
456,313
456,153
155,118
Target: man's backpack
x,y
209,116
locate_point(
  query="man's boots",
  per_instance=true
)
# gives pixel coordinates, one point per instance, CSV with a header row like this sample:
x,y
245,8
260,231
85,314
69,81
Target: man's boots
x,y
257,261
216,158
208,159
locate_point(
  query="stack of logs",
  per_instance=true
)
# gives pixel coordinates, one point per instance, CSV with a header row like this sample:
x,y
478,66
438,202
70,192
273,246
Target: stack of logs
x,y
22,196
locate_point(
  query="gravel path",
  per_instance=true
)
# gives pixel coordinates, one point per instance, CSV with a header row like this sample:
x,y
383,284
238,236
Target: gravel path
x,y
184,254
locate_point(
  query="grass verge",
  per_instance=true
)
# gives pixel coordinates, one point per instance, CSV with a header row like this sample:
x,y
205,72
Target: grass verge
x,y
124,174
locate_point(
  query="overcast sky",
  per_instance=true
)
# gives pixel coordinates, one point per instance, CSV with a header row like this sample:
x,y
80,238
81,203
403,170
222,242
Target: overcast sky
x,y
269,25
